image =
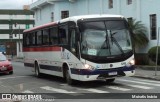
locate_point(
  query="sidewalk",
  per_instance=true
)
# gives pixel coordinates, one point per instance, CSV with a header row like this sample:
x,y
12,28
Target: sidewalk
x,y
147,73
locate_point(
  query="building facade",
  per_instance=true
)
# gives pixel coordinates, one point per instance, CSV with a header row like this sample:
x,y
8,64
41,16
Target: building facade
x,y
12,24
146,11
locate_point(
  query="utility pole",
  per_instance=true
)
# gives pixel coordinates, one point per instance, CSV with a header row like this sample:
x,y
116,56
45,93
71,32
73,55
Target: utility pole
x,y
11,37
19,40
11,28
157,52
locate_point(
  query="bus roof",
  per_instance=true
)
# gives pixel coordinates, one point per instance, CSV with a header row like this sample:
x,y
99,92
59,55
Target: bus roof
x,y
75,18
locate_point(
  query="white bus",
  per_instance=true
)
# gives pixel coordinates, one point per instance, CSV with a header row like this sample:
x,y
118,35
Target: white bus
x,y
84,48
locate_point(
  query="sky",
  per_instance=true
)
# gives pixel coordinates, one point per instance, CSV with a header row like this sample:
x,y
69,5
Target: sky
x,y
14,4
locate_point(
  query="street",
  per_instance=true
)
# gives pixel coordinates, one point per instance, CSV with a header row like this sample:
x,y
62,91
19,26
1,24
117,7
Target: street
x,y
24,81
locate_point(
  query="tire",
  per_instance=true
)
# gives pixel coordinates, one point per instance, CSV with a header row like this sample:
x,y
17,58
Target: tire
x,y
37,72
110,80
68,78
11,72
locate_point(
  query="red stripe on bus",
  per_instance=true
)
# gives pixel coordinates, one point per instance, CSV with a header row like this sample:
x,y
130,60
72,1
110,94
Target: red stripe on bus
x,y
41,49
42,26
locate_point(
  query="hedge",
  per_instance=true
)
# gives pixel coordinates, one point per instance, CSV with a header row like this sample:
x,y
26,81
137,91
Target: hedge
x,y
153,52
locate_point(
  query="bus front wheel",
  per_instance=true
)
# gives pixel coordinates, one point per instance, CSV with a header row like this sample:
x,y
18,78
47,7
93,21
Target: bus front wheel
x,y
37,72
68,77
110,80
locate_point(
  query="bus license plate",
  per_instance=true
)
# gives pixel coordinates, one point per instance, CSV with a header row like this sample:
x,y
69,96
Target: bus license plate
x,y
112,73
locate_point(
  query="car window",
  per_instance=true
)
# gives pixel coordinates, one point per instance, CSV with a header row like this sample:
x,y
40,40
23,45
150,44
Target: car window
x,y
2,58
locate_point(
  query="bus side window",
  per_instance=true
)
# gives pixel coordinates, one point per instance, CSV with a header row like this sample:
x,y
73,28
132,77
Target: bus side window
x,y
32,39
54,35
25,39
46,37
63,34
39,37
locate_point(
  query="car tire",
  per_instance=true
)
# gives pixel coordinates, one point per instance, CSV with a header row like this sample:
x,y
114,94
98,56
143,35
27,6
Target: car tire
x,y
11,72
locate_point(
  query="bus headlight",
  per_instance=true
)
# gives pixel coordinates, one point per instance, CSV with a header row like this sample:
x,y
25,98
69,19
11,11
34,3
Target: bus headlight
x,y
87,66
131,62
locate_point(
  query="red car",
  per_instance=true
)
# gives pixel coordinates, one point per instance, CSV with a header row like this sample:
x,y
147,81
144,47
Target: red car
x,y
5,65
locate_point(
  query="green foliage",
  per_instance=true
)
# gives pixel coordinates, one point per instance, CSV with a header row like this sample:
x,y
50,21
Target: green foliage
x,y
152,54
139,37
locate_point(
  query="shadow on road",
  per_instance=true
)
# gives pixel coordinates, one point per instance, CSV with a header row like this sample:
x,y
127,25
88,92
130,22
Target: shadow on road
x,y
81,84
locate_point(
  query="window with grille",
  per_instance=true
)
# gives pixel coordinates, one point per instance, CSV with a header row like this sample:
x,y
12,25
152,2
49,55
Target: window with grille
x,y
153,26
110,3
64,14
129,2
130,19
52,16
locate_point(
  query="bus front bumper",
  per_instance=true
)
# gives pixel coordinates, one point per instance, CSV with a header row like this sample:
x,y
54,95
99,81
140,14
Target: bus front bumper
x,y
89,75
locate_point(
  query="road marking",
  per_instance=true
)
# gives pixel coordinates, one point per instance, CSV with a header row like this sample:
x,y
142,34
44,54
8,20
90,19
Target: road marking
x,y
56,89
139,86
64,84
148,81
89,89
118,88
13,77
139,82
93,90
27,91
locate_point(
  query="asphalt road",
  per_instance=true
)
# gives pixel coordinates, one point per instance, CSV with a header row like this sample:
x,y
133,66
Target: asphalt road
x,y
24,81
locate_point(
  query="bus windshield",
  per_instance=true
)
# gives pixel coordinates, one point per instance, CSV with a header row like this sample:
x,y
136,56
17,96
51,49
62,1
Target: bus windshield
x,y
105,38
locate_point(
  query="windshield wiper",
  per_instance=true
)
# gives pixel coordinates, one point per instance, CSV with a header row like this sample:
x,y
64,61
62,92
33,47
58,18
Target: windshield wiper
x,y
84,46
116,42
105,45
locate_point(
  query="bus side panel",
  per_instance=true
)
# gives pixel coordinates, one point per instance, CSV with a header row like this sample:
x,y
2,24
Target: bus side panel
x,y
72,61
51,62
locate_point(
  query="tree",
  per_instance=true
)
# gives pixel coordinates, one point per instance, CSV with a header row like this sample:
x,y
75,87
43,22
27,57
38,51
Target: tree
x,y
139,37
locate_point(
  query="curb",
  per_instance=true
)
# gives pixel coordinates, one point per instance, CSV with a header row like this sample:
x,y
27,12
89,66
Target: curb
x,y
151,68
147,77
18,61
